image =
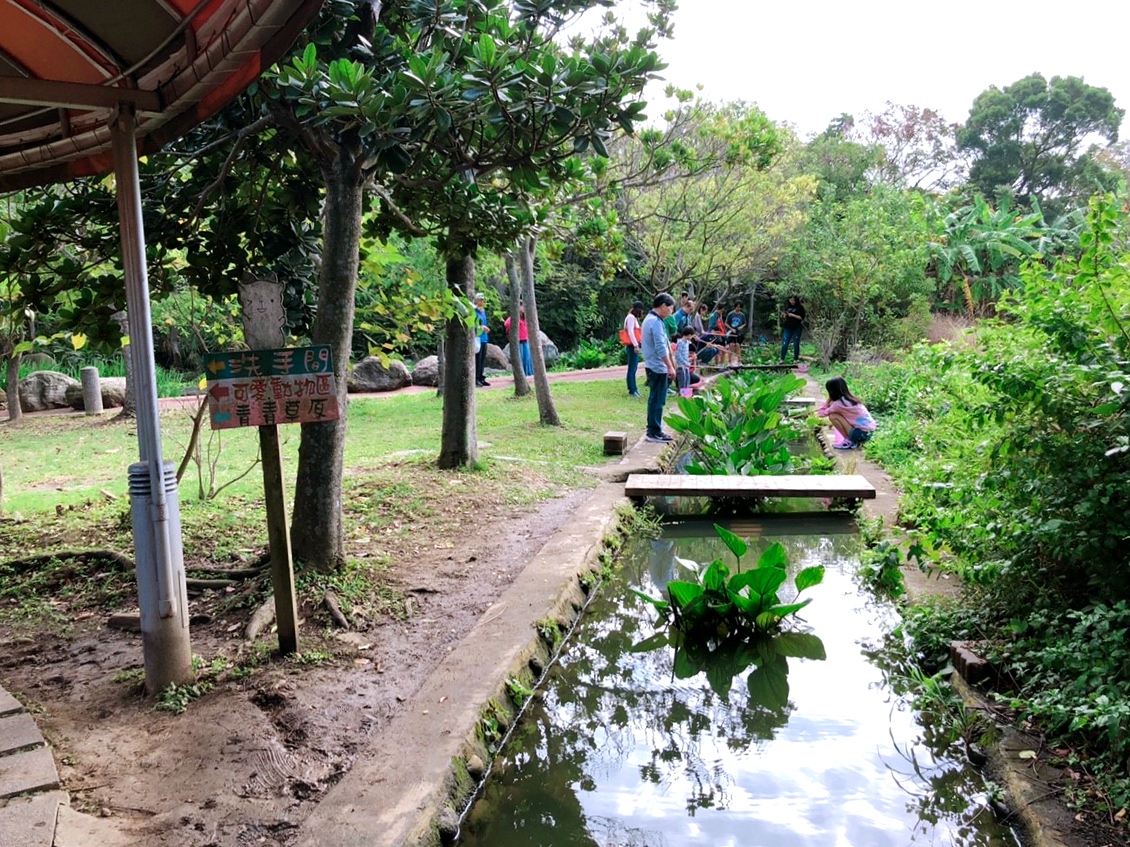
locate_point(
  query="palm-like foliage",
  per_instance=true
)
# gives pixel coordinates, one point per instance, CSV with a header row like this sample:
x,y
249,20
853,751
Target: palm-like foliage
x,y
983,248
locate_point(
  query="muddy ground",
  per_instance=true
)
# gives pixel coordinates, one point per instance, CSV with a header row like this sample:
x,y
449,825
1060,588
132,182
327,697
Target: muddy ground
x,y
248,759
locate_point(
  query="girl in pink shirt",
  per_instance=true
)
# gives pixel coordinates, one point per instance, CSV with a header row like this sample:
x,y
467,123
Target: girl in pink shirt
x,y
847,414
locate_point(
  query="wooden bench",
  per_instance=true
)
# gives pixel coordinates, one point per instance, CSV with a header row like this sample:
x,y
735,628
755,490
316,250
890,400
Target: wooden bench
x,y
615,443
848,486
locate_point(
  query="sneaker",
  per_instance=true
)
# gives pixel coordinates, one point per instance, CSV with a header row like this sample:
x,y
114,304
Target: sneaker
x,y
634,394
846,446
662,438
484,383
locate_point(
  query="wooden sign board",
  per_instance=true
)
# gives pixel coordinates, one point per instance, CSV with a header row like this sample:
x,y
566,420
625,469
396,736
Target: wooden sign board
x,y
269,387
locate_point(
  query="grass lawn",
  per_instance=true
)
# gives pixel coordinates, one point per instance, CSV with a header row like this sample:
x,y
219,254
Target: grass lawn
x,y
65,476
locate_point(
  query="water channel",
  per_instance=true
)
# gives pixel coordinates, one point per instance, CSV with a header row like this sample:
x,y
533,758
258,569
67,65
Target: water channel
x,y
616,750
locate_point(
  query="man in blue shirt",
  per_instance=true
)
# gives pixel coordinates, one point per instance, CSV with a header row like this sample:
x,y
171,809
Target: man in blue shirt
x,y
657,362
483,334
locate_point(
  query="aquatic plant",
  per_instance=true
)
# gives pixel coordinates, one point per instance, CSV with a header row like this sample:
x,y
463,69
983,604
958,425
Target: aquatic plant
x,y
718,603
739,426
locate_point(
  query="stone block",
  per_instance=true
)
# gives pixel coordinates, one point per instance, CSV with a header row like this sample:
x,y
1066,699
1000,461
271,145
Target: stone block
x,y
972,667
17,732
32,770
615,443
30,821
9,704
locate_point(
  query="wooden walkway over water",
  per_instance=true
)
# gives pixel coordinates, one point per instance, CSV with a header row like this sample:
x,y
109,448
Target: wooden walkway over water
x,y
848,486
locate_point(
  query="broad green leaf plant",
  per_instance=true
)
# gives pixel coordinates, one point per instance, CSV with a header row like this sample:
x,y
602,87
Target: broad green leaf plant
x,y
739,427
718,603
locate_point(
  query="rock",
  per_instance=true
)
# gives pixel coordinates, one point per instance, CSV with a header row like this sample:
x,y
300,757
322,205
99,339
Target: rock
x,y
447,825
113,393
426,372
549,350
496,358
44,390
475,768
370,375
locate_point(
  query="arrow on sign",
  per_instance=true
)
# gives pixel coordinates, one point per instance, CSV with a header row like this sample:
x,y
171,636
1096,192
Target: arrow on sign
x,y
217,365
219,391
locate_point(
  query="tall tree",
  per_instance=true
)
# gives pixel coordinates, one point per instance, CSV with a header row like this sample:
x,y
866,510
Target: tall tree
x,y
1031,139
457,114
727,199
859,266
918,147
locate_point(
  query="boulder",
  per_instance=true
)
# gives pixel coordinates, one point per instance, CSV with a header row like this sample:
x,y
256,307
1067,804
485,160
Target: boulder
x,y
426,372
496,358
370,375
44,390
113,393
549,350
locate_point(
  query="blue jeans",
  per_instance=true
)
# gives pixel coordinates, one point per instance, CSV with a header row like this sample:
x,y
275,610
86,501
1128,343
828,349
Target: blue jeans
x,y
526,357
656,397
791,336
633,366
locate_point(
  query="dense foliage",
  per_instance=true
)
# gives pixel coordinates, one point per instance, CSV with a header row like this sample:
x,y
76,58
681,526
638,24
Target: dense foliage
x,y
1013,448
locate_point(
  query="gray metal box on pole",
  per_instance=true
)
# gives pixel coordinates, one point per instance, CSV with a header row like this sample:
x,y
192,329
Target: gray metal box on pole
x,y
162,595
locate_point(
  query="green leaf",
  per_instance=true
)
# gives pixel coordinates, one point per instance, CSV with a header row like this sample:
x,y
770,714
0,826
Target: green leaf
x,y
715,576
735,543
682,593
774,557
653,643
800,645
769,685
809,577
659,604
767,621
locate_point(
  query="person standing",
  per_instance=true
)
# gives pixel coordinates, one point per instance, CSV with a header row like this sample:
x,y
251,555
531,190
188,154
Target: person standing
x,y
658,364
523,341
735,333
483,333
792,324
630,336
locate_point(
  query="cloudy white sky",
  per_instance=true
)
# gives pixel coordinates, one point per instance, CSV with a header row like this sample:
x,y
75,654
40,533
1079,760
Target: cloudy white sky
x,y
807,62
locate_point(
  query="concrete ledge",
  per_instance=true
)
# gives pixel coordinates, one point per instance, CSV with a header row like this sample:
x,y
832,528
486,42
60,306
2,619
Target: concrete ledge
x,y
377,807
30,821
1038,811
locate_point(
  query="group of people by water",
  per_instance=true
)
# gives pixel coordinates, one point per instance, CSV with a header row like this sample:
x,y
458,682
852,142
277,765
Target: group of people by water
x,y
671,337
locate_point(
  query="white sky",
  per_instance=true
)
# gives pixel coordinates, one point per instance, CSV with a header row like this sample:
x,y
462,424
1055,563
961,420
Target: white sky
x,y
804,63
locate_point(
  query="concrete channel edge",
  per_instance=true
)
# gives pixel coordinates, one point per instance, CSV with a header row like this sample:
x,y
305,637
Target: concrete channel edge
x,y
376,807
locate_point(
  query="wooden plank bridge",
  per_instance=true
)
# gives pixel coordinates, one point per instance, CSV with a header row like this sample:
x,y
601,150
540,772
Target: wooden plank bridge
x,y
847,486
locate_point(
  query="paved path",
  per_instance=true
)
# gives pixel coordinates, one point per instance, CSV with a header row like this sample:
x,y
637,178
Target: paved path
x,y
29,783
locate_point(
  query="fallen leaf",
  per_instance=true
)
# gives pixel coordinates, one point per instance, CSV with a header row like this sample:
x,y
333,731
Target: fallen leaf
x,y
1026,754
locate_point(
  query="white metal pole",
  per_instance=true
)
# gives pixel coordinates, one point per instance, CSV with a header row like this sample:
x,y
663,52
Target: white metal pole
x,y
162,594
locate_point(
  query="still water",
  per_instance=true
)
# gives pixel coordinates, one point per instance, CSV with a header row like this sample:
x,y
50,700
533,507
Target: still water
x,y
617,751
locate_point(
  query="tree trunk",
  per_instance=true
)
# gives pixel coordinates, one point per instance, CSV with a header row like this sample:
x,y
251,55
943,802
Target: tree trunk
x,y
129,403
459,441
441,358
317,538
521,384
546,411
12,388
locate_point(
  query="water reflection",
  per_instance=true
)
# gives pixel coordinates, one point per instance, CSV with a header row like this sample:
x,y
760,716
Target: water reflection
x,y
671,747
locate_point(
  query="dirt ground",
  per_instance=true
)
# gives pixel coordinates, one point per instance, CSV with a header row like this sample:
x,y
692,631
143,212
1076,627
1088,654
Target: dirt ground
x,y
249,759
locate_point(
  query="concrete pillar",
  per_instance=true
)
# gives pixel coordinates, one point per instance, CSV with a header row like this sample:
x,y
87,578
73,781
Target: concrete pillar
x,y
91,391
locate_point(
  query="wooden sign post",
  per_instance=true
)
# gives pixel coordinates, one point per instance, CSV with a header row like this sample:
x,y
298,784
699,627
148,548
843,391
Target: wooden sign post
x,y
265,388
